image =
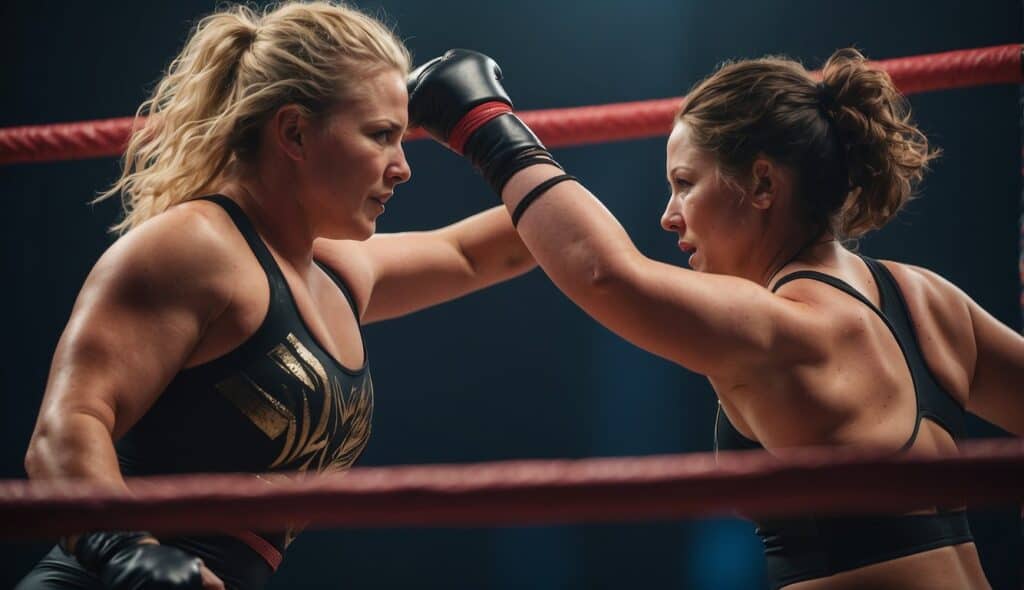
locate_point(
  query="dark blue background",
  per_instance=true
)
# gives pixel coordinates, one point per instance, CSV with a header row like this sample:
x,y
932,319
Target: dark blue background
x,y
518,371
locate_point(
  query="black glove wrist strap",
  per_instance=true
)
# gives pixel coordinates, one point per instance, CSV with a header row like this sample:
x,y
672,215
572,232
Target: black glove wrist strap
x,y
536,193
503,146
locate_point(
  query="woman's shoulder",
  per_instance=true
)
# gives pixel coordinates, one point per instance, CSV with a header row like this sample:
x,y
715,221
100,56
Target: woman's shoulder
x,y
191,232
926,287
834,294
192,243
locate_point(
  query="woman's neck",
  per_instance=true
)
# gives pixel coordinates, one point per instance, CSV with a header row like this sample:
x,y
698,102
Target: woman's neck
x,y
812,250
278,218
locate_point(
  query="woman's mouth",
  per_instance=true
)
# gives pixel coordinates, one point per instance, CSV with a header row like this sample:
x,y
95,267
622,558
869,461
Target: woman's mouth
x,y
690,249
380,201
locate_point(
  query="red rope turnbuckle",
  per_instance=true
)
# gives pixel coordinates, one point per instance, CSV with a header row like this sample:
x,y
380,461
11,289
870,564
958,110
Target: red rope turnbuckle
x,y
556,127
820,481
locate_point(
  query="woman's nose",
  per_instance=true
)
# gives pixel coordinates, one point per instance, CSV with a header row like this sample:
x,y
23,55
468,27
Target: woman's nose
x,y
399,171
672,218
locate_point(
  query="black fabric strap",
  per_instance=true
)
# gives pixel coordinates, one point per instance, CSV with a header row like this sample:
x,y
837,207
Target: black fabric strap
x,y
839,544
932,400
503,146
534,194
507,171
900,341
256,243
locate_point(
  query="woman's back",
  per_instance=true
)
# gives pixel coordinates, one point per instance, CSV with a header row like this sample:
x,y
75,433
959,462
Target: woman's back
x,y
863,391
858,389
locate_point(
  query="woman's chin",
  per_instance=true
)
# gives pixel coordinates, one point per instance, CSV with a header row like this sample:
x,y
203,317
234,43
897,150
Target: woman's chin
x,y
366,232
360,231
696,261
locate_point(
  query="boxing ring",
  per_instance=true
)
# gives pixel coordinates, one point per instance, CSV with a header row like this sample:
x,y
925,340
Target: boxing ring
x,y
818,480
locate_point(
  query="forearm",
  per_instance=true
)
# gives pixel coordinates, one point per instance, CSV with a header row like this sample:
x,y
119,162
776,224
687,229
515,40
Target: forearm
x,y
491,247
415,270
77,446
573,237
662,309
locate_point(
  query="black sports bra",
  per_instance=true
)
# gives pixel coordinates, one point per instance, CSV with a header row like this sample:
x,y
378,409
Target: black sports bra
x,y
809,547
278,402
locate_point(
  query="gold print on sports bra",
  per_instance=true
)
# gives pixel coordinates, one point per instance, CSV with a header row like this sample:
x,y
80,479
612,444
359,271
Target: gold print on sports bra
x,y
261,408
313,448
316,447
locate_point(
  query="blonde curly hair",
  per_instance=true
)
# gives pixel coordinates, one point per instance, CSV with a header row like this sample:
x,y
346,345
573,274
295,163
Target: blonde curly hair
x,y
236,69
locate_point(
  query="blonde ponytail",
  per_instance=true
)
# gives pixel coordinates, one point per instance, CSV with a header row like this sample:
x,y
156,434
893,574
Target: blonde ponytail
x,y
237,68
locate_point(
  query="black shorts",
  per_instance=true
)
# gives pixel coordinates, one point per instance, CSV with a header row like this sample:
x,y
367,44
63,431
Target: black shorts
x,y
59,571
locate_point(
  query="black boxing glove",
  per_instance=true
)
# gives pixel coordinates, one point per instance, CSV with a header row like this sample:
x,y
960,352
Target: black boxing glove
x,y
123,562
458,98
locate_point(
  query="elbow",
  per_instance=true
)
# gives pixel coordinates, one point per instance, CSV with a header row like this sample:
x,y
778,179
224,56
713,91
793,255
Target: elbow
x,y
44,448
31,461
615,271
520,263
73,443
604,277
35,455
592,275
511,262
496,267
599,281
53,442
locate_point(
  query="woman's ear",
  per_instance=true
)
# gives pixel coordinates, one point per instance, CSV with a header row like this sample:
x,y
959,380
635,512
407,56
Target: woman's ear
x,y
767,183
287,129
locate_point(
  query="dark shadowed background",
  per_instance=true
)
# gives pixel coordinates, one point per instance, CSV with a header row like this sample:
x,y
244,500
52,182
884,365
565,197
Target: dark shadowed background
x,y
518,371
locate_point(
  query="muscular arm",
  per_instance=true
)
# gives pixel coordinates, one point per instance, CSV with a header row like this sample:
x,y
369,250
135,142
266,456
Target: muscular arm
x,y
997,387
708,324
711,324
397,274
142,310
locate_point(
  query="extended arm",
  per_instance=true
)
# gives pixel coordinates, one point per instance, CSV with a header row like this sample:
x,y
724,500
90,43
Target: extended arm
x,y
703,322
397,274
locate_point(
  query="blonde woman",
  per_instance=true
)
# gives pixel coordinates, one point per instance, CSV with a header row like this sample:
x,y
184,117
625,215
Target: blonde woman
x,y
221,332
804,341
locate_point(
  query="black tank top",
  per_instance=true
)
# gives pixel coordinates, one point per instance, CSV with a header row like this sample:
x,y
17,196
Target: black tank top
x,y
278,402
810,547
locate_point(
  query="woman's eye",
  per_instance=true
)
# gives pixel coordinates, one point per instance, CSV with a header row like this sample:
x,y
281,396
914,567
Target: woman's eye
x,y
383,136
681,183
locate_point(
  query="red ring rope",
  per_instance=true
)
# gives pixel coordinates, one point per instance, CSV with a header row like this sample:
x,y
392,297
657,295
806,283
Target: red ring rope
x,y
822,480
555,127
